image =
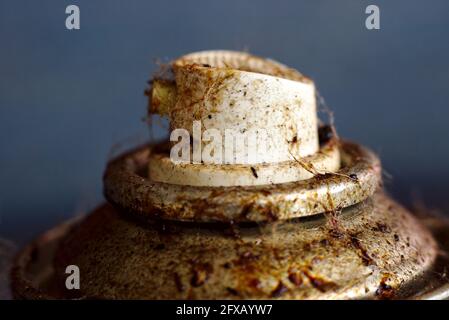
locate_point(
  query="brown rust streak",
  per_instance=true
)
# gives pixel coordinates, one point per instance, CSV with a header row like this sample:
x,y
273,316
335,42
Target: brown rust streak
x,y
319,283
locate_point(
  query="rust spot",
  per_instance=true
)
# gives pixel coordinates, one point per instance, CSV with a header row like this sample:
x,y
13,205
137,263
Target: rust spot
x,y
366,259
201,273
254,283
246,262
265,192
336,233
279,290
319,283
246,210
384,291
295,278
294,140
271,216
381,227
179,285
268,213
232,291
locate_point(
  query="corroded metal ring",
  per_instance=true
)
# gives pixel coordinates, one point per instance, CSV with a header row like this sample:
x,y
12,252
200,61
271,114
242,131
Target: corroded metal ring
x,y
128,188
32,271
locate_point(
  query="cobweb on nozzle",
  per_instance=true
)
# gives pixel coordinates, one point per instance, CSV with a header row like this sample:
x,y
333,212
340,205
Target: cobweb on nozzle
x,y
329,122
323,109
157,126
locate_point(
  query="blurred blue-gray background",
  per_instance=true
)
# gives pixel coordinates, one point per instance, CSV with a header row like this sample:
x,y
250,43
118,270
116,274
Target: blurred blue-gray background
x,y
67,97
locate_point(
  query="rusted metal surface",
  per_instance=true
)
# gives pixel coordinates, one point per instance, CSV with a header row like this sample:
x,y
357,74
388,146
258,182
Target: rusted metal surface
x,y
358,178
374,250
